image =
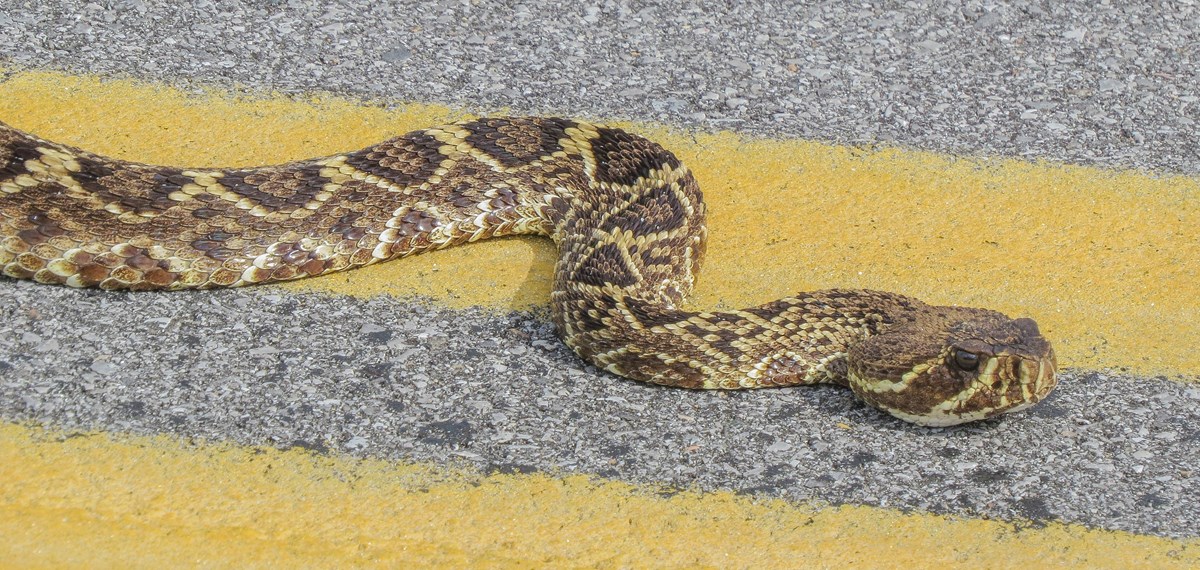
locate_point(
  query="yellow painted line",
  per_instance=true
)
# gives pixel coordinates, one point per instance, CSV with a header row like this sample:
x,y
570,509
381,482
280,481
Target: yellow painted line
x,y
1107,261
95,500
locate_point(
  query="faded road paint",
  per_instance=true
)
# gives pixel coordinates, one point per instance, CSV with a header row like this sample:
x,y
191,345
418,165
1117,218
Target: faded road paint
x,y
1106,261
98,500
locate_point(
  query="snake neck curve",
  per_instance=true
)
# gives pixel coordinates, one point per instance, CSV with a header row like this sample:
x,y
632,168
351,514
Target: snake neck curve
x,y
627,215
628,218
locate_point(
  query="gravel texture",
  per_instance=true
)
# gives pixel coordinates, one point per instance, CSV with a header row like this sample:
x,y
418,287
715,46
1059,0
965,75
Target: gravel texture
x,y
1112,83
1096,83
405,381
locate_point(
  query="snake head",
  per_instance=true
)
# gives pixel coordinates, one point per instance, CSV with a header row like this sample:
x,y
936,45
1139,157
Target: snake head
x,y
953,365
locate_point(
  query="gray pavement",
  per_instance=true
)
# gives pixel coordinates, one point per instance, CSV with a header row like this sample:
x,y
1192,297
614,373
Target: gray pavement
x,y
386,378
1087,82
1082,82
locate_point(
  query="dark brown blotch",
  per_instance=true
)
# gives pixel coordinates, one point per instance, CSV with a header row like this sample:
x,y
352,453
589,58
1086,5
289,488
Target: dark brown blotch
x,y
517,141
405,161
604,264
658,209
90,173
305,182
622,158
19,151
170,181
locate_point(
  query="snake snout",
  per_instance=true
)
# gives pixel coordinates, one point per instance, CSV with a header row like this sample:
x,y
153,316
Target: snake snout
x,y
1034,365
1040,375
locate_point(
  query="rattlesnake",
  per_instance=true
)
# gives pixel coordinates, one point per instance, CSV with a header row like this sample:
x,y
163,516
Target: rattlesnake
x,y
627,216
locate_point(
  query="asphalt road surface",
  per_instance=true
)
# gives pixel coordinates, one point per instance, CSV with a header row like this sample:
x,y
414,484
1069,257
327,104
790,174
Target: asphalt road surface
x,y
1087,83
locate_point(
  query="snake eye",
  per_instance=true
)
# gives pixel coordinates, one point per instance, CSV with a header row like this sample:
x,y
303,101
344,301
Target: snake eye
x,y
967,361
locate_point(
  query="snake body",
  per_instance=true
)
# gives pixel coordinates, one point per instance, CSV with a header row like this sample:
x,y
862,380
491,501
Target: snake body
x,y
627,216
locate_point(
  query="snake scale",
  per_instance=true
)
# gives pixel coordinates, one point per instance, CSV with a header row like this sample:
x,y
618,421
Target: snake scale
x,y
627,216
